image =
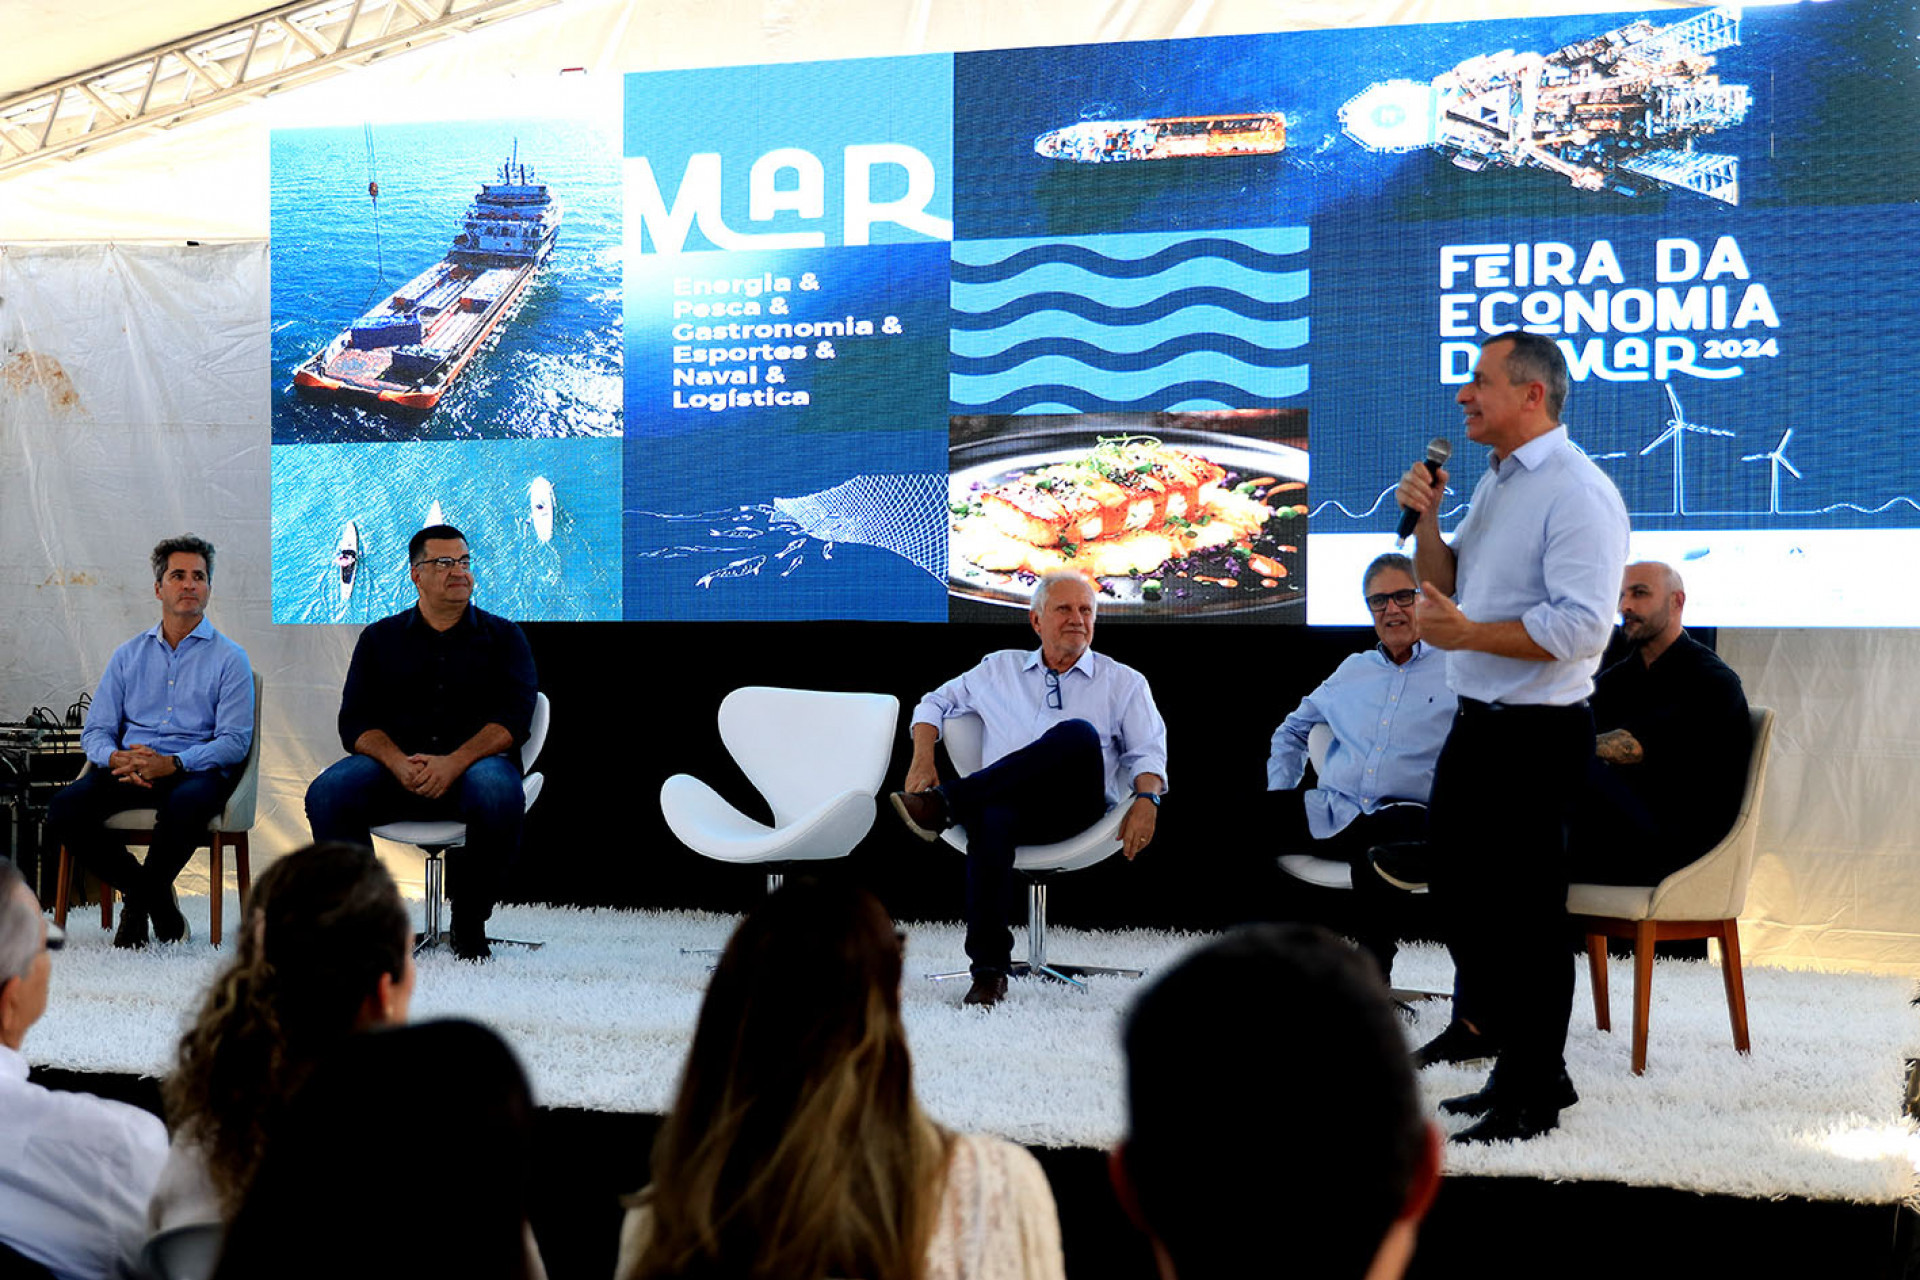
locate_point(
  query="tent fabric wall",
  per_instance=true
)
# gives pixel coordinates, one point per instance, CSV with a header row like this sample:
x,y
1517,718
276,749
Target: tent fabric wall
x,y
134,397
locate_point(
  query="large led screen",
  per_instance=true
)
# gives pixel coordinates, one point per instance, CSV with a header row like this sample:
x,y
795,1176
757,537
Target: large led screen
x,y
893,336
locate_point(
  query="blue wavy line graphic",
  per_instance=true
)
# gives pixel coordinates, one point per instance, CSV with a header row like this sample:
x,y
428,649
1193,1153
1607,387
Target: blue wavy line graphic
x,y
1133,245
1122,268
1145,313
1136,337
1060,399
1270,286
1195,366
1096,357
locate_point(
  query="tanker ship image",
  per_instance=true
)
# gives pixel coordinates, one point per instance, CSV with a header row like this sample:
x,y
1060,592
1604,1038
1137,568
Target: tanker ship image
x,y
407,351
1617,112
1111,141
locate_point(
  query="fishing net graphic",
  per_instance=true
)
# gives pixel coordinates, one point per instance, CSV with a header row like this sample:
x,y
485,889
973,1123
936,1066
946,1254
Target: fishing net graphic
x,y
904,514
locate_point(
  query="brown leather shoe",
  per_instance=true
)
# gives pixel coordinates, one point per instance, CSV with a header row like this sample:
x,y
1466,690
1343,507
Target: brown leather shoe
x,y
924,812
988,991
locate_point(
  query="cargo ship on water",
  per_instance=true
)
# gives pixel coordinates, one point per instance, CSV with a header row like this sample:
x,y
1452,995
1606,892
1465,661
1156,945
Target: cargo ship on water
x,y
1260,133
1622,111
406,352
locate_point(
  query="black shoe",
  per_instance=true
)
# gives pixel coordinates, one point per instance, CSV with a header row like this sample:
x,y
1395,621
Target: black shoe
x,y
987,991
470,941
1404,864
1509,1124
168,924
1458,1043
1560,1097
132,933
924,812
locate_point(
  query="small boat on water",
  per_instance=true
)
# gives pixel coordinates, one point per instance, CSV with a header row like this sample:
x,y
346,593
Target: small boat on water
x,y
1256,133
346,558
540,498
434,515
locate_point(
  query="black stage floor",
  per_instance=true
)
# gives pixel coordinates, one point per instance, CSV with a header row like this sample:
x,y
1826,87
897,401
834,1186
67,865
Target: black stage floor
x,y
1485,1228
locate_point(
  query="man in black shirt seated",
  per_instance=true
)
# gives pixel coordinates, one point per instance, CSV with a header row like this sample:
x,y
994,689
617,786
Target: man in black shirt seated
x,y
438,700
1670,762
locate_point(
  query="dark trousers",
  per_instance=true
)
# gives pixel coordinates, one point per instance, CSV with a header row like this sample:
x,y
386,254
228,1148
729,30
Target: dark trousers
x,y
1616,838
358,793
184,803
1503,790
1050,789
1378,911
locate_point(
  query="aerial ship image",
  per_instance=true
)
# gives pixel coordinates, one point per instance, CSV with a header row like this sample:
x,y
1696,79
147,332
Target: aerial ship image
x,y
1620,111
1109,141
408,350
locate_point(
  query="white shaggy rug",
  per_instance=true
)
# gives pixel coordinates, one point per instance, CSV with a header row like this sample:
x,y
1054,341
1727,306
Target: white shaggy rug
x,y
601,1017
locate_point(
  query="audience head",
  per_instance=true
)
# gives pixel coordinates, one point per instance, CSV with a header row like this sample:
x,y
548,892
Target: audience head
x,y
1272,1106
25,965
795,1146
446,1101
326,950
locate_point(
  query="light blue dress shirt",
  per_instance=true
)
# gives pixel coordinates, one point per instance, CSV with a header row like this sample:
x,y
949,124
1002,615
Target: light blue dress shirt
x,y
1389,723
1544,542
1008,691
195,702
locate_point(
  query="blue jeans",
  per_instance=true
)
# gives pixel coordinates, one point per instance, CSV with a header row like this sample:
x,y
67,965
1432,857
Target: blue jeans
x,y
1050,789
184,803
359,793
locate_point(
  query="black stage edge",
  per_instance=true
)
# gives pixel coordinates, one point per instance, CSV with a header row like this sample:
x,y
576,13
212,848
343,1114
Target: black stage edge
x,y
1488,1228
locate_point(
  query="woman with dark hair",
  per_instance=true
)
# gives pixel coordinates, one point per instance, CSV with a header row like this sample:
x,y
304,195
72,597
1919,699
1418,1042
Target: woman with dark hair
x,y
326,950
796,1148
441,1110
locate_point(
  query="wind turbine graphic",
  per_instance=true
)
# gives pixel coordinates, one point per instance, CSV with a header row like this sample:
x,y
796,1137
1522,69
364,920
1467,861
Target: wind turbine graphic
x,y
1778,457
1677,427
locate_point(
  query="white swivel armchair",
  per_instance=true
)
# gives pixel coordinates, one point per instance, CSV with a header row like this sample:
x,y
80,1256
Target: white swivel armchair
x,y
1037,863
818,758
435,838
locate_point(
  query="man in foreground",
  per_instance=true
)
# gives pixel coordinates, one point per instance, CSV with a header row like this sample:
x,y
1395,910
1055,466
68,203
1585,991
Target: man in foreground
x,y
1389,710
1521,600
1245,1154
438,698
168,729
1670,761
1069,733
75,1170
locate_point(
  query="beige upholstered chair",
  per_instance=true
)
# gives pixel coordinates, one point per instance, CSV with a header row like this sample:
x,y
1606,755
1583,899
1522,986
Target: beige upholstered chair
x,y
229,828
1701,900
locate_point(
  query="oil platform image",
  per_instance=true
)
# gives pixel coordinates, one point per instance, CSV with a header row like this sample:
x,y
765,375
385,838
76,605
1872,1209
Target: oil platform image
x,y
1618,112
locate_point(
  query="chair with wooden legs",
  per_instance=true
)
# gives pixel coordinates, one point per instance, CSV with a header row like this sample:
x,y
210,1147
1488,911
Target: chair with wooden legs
x,y
1701,900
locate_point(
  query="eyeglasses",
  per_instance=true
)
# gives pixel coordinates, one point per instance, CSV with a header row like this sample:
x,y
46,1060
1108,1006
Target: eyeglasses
x,y
1378,603
1053,690
445,564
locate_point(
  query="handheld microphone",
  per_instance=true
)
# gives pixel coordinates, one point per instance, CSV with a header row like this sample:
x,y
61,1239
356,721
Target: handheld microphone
x,y
1439,449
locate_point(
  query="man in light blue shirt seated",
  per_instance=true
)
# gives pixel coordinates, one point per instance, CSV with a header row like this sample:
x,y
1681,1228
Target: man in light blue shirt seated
x,y
1069,733
1389,710
168,730
75,1170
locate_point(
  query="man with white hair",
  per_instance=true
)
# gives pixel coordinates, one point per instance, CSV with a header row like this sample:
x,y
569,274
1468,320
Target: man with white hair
x,y
76,1171
1068,733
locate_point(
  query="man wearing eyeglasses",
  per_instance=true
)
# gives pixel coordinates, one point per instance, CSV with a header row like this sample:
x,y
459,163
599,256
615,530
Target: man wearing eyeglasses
x,y
437,700
1068,734
1389,710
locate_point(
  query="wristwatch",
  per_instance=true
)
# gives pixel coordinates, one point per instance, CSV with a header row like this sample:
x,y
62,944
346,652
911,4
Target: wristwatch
x,y
1153,796
177,766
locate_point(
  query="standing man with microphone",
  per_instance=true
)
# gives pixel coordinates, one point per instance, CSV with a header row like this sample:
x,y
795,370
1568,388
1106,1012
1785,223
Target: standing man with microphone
x,y
1522,601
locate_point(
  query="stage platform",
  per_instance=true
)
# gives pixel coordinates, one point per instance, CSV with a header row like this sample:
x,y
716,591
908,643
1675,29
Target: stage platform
x,y
1799,1154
